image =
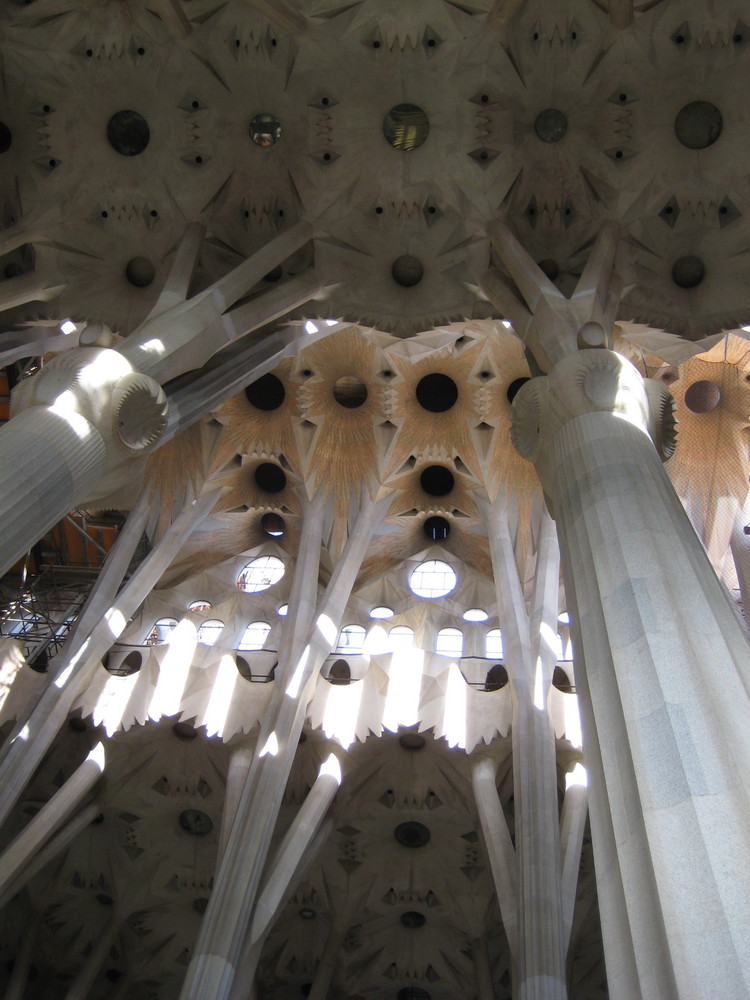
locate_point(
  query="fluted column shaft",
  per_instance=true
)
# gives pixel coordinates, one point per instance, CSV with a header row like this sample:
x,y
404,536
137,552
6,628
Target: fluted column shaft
x,y
663,677
48,461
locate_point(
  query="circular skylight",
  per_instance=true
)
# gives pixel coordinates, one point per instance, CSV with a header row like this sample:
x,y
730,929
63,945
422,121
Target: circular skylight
x,y
260,574
381,612
475,615
432,579
283,610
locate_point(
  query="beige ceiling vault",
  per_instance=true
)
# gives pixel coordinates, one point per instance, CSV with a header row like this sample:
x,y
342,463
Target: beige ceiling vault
x,y
406,341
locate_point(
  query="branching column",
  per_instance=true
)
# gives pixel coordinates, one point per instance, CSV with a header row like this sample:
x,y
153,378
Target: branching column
x,y
212,969
664,678
540,955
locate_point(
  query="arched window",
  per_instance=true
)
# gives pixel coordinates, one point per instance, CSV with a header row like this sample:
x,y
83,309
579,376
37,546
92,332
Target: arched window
x,y
260,574
199,606
449,642
161,631
210,631
351,640
254,636
401,637
493,644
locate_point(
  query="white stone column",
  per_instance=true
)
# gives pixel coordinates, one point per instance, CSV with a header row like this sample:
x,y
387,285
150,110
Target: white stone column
x,y
499,846
16,988
224,927
572,826
50,850
529,655
51,816
663,675
81,985
48,462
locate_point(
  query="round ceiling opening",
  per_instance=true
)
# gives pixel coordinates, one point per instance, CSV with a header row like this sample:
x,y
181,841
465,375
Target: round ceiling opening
x,y
688,271
406,126
702,397
128,133
140,272
698,125
270,477
265,129
350,391
412,741
436,480
413,918
407,270
196,822
266,393
436,393
412,834
551,125
436,528
273,524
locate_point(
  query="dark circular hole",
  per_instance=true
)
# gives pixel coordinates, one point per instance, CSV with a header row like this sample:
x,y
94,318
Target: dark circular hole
x,y
113,975
184,730
688,271
698,125
89,53
412,834
276,274
431,43
196,105
105,215
200,904
483,155
199,159
128,133
6,138
407,270
413,918
326,157
623,97
196,822
436,528
436,480
484,98
273,524
497,677
379,210
514,386
550,268
340,673
679,39
702,397
406,126
140,272
141,51
266,393
53,163
270,477
153,213
376,44
618,154
551,125
265,129
325,101
411,741
349,391
436,392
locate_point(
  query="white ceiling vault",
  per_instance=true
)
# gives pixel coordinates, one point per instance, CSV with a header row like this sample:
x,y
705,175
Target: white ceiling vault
x,y
123,121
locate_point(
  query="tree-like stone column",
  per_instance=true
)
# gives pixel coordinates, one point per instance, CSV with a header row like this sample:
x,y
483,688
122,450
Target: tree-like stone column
x,y
663,674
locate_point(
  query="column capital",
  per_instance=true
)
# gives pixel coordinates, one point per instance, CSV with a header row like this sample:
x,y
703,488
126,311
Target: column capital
x,y
587,382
